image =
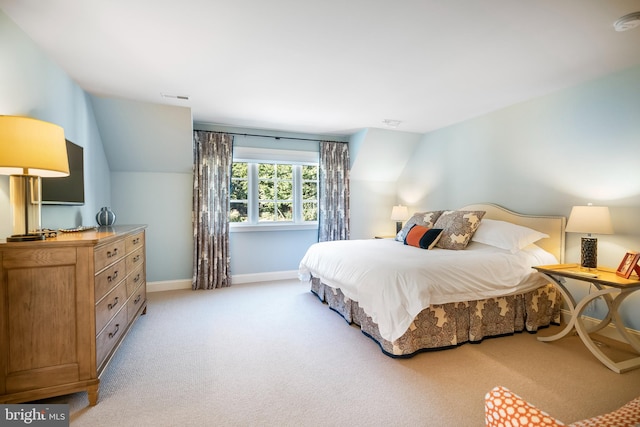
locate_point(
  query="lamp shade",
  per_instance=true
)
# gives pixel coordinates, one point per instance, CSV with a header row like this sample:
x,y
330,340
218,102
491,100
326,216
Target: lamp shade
x,y
399,213
590,219
32,147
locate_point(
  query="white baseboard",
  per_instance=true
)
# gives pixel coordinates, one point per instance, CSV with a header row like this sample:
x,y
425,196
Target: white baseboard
x,y
608,331
168,285
264,277
172,285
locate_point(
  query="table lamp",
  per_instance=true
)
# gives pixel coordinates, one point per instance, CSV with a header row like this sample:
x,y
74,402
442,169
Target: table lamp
x,y
29,149
590,220
399,213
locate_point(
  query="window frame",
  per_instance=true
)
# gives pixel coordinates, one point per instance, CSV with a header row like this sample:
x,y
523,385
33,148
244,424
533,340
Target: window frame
x,y
254,156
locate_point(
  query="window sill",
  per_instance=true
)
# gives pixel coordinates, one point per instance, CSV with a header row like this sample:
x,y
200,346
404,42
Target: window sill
x,y
242,228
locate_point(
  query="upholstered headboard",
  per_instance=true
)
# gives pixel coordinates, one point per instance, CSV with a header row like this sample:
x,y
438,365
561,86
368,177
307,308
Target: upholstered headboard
x,y
551,225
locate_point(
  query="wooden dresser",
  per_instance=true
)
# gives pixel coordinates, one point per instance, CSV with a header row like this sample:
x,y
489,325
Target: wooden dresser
x,y
66,303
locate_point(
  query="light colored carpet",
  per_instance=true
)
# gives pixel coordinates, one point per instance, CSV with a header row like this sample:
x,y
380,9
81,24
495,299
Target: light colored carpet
x,y
270,354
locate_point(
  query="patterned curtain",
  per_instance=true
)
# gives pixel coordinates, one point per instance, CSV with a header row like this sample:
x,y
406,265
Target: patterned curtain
x,y
334,191
213,156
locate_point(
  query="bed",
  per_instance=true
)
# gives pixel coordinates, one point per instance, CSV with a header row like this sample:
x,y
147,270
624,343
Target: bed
x,y
421,292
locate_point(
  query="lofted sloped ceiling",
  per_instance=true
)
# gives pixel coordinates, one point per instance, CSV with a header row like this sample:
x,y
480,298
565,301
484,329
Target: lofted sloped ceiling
x,y
144,137
380,155
330,66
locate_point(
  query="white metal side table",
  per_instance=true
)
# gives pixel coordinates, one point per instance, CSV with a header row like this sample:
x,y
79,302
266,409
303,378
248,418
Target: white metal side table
x,y
613,290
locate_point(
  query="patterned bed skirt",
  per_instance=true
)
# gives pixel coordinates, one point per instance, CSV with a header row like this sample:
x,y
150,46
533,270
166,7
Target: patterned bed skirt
x,y
449,325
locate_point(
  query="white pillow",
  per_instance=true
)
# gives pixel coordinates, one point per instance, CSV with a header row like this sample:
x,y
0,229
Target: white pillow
x,y
505,235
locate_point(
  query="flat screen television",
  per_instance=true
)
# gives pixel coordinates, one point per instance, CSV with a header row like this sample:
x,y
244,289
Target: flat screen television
x,y
68,190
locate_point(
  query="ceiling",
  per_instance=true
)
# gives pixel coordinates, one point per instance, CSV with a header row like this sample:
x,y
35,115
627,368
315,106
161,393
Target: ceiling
x,y
331,66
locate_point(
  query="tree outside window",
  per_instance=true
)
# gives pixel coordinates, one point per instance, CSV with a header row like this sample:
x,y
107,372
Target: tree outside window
x,y
273,192
239,194
310,193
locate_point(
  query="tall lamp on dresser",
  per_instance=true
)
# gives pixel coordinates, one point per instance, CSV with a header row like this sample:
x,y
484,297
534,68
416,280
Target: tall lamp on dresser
x,y
30,149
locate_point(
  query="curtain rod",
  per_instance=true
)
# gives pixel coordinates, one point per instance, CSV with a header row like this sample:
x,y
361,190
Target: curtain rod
x,y
282,137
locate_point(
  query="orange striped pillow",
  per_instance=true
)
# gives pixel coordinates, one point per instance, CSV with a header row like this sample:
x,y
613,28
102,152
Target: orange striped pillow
x,y
422,237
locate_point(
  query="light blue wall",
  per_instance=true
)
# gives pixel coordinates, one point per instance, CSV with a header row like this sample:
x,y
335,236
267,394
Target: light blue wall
x,y
150,151
32,85
269,251
378,157
162,201
544,156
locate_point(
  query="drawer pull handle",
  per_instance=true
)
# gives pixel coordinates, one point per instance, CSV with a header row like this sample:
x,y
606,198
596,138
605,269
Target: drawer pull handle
x,y
113,334
114,277
115,302
137,300
111,254
137,278
136,240
136,258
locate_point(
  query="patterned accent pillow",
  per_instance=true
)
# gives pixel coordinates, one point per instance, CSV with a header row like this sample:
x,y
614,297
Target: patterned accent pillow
x,y
458,227
423,237
426,219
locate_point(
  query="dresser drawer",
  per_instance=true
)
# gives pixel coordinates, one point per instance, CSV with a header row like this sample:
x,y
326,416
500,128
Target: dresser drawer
x,y
109,253
26,258
106,280
134,242
110,336
135,259
109,306
135,279
136,301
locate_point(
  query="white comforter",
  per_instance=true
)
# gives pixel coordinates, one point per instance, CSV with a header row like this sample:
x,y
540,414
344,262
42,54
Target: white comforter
x,y
393,282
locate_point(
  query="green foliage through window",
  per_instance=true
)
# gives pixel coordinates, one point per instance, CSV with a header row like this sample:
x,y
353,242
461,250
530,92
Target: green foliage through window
x,y
239,194
278,188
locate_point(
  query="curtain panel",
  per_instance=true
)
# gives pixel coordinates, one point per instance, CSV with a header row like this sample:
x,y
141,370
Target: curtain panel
x,y
213,157
333,221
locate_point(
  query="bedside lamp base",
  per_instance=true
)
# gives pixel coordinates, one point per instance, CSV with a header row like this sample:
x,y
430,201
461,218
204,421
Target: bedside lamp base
x,y
589,252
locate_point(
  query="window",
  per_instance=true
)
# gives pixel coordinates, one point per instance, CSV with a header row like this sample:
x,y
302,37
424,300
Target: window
x,y
239,195
273,187
310,193
275,192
